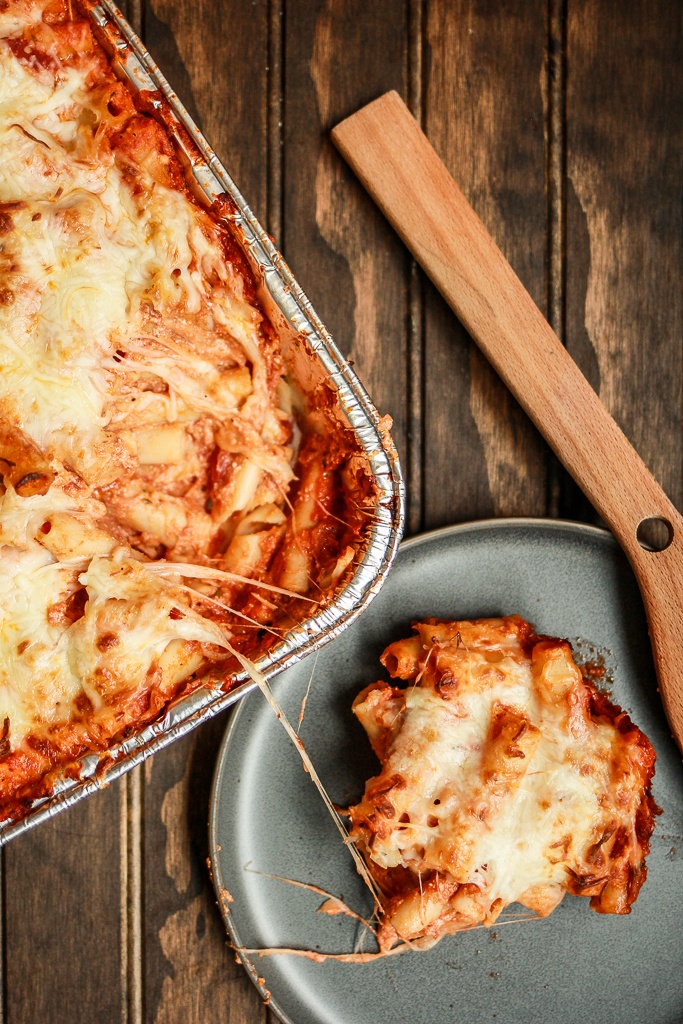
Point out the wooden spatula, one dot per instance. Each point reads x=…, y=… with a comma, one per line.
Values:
x=397, y=165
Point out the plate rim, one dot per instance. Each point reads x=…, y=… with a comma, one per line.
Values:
x=598, y=533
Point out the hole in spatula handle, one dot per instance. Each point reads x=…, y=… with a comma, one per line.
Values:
x=654, y=533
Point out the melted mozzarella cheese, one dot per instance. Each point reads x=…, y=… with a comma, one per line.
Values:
x=82, y=257
x=37, y=684
x=441, y=749
x=497, y=784
x=47, y=663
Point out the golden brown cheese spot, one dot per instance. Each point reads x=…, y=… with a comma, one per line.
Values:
x=106, y=641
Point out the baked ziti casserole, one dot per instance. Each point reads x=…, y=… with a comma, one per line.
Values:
x=167, y=495
x=506, y=776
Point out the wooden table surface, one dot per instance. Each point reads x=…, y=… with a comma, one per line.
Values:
x=561, y=120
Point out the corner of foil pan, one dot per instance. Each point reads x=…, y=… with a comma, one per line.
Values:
x=215, y=181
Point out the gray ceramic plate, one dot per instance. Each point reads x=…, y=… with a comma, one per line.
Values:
x=267, y=817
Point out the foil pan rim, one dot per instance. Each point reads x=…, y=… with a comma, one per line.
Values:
x=99, y=769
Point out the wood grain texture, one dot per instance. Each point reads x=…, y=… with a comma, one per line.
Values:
x=63, y=890
x=483, y=112
x=624, y=227
x=132, y=10
x=190, y=973
x=339, y=55
x=216, y=55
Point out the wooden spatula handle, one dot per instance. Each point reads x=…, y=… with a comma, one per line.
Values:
x=396, y=163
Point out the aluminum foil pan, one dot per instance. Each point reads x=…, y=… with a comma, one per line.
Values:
x=312, y=358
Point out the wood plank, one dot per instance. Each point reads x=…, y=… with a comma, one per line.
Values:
x=63, y=920
x=414, y=449
x=483, y=111
x=190, y=973
x=624, y=230
x=132, y=10
x=215, y=55
x=340, y=55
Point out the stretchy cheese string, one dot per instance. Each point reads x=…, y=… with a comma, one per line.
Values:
x=302, y=712
x=226, y=607
x=309, y=954
x=265, y=689
x=332, y=905
x=206, y=572
x=416, y=945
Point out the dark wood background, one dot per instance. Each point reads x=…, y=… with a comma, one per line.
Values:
x=561, y=120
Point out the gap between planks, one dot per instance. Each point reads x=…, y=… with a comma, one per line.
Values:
x=275, y=122
x=556, y=167
x=132, y=954
x=415, y=397
x=132, y=916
